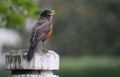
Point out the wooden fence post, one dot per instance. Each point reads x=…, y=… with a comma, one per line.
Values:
x=42, y=65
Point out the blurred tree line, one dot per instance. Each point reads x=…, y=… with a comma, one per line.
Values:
x=81, y=27
x=89, y=27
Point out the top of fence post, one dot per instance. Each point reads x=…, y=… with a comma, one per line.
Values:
x=16, y=60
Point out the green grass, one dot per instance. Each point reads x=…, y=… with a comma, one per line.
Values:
x=84, y=67
x=3, y=72
x=90, y=67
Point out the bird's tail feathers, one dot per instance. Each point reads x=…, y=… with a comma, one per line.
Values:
x=30, y=53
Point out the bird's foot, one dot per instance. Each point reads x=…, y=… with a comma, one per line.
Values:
x=45, y=50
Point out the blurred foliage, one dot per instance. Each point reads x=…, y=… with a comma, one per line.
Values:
x=83, y=27
x=13, y=13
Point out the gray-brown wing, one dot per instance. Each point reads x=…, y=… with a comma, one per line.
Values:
x=39, y=31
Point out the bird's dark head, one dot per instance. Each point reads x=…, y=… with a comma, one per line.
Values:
x=48, y=13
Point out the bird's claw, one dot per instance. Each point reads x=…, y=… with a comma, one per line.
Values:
x=45, y=50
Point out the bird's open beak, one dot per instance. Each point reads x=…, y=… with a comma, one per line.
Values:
x=52, y=12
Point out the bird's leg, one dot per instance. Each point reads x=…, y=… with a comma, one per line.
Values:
x=43, y=45
x=44, y=48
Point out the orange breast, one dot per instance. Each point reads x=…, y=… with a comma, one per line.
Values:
x=47, y=35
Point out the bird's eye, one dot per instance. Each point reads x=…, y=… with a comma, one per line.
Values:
x=48, y=12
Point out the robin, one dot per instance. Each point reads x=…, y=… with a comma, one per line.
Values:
x=41, y=32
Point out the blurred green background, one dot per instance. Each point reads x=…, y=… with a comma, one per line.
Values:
x=86, y=34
